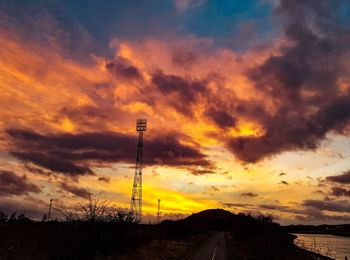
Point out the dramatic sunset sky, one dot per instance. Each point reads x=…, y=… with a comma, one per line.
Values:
x=247, y=101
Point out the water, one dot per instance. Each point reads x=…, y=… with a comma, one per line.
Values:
x=333, y=246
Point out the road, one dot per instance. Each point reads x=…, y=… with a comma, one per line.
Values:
x=215, y=248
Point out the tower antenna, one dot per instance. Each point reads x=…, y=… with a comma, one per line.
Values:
x=158, y=213
x=49, y=213
x=136, y=196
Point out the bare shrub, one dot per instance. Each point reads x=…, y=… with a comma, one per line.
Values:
x=97, y=209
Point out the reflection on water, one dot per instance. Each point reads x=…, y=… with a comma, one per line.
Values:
x=332, y=246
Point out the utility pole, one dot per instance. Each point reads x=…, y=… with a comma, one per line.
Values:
x=158, y=213
x=136, y=196
x=49, y=213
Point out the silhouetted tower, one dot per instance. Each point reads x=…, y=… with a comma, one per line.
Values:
x=158, y=213
x=49, y=213
x=136, y=196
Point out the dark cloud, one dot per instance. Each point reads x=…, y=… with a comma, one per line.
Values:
x=196, y=171
x=184, y=58
x=282, y=174
x=80, y=192
x=234, y=205
x=338, y=191
x=315, y=216
x=185, y=90
x=104, y=179
x=31, y=207
x=75, y=154
x=37, y=170
x=274, y=207
x=167, y=150
x=11, y=184
x=86, y=111
x=214, y=188
x=320, y=192
x=49, y=24
x=90, y=116
x=264, y=207
x=286, y=132
x=221, y=118
x=302, y=120
x=168, y=84
x=284, y=183
x=336, y=206
x=53, y=162
x=327, y=198
x=316, y=37
x=249, y=194
x=313, y=211
x=211, y=190
x=343, y=178
x=122, y=67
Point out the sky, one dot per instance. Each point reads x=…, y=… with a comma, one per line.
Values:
x=247, y=102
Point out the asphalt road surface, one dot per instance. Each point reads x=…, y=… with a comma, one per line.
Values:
x=215, y=248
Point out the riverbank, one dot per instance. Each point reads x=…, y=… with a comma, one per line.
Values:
x=339, y=234
x=336, y=247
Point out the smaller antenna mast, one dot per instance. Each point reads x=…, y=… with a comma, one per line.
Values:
x=158, y=213
x=49, y=213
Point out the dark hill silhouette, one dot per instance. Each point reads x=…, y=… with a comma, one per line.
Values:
x=210, y=219
x=211, y=216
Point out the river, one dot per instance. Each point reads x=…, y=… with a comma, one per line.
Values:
x=333, y=246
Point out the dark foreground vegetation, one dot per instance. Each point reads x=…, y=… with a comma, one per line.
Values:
x=122, y=238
